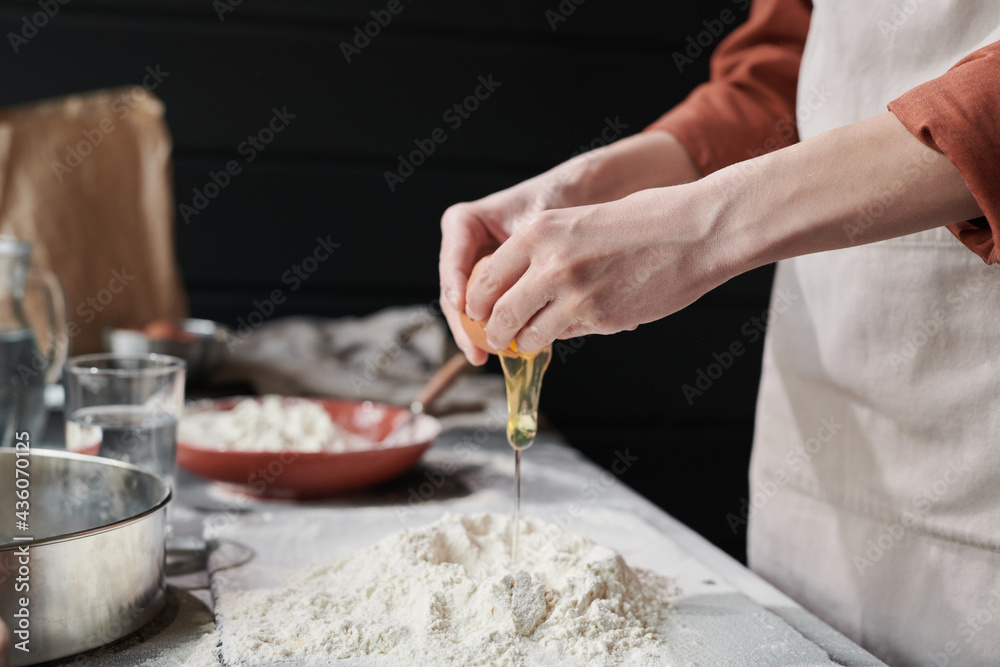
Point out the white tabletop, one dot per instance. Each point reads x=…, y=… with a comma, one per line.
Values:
x=736, y=617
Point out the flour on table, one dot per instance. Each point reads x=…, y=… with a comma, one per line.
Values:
x=445, y=594
x=205, y=653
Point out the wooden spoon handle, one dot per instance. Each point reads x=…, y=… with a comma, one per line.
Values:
x=440, y=381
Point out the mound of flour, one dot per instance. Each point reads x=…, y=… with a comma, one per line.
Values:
x=445, y=594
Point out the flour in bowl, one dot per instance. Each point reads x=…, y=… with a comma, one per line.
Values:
x=445, y=594
x=270, y=424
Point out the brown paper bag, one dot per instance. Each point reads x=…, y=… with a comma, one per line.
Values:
x=87, y=179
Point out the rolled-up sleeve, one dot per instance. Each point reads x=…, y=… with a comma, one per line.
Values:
x=747, y=108
x=956, y=114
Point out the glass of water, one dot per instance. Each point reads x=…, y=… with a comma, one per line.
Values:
x=125, y=407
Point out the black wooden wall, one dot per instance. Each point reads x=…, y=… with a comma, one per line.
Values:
x=561, y=72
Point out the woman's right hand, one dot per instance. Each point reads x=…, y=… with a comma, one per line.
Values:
x=470, y=230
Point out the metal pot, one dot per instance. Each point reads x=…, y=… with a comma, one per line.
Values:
x=94, y=568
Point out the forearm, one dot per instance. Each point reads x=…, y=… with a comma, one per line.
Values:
x=639, y=162
x=862, y=183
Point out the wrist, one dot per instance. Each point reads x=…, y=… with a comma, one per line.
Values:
x=722, y=202
x=764, y=210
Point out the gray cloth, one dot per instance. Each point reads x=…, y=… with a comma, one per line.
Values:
x=387, y=357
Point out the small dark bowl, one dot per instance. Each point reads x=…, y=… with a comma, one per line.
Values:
x=203, y=354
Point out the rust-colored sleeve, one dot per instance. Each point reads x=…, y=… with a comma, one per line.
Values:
x=956, y=114
x=747, y=108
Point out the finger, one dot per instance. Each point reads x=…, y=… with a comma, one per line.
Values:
x=455, y=261
x=462, y=242
x=452, y=293
x=475, y=356
x=546, y=326
x=514, y=309
x=496, y=275
x=574, y=330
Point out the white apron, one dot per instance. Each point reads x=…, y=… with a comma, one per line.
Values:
x=875, y=475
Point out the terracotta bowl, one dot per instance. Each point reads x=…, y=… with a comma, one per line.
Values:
x=310, y=475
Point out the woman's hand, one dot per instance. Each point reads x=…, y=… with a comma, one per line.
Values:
x=471, y=230
x=599, y=269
